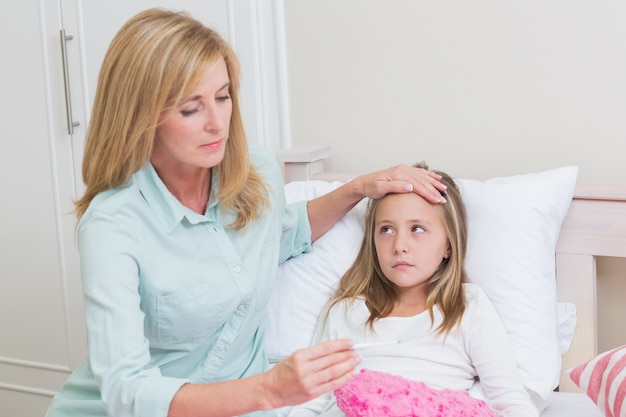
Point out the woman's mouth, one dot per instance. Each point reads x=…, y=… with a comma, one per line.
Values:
x=213, y=145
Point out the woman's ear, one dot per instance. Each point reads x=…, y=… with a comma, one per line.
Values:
x=446, y=255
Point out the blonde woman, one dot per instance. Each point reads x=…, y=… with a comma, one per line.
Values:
x=181, y=230
x=408, y=286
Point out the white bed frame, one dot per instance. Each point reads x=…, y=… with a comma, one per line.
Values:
x=595, y=225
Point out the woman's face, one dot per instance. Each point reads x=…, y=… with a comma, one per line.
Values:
x=194, y=133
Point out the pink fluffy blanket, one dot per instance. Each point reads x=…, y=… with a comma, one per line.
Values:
x=379, y=394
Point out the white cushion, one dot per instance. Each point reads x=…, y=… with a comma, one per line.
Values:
x=513, y=225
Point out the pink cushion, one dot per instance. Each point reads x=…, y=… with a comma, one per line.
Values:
x=603, y=379
x=376, y=394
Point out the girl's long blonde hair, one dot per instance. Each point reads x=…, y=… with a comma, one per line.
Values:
x=365, y=279
x=156, y=59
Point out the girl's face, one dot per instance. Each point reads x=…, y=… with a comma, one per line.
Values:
x=194, y=133
x=410, y=241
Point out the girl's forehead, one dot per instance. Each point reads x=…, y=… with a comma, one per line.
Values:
x=406, y=205
x=404, y=200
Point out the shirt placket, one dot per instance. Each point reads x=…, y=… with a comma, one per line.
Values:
x=244, y=282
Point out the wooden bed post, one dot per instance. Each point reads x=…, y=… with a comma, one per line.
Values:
x=576, y=283
x=303, y=162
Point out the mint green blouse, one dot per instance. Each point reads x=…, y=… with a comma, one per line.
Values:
x=172, y=296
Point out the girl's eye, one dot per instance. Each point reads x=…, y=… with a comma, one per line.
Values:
x=418, y=229
x=223, y=98
x=385, y=230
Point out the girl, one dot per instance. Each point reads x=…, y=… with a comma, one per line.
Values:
x=408, y=285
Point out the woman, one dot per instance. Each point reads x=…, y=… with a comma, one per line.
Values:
x=181, y=229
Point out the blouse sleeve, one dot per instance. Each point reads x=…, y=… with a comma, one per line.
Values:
x=296, y=231
x=118, y=351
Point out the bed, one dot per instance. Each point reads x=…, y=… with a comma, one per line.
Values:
x=566, y=225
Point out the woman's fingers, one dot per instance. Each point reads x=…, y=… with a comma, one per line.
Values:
x=325, y=362
x=311, y=372
x=404, y=178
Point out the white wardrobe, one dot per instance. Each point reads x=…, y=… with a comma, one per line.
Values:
x=51, y=54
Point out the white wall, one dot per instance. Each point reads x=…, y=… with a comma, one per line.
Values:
x=477, y=88
x=480, y=88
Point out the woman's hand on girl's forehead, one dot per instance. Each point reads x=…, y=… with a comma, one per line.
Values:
x=402, y=179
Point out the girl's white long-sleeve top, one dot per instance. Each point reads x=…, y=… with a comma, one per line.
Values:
x=477, y=350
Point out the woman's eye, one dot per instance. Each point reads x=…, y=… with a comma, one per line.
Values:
x=225, y=97
x=189, y=112
x=417, y=229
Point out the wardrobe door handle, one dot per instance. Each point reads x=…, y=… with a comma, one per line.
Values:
x=71, y=124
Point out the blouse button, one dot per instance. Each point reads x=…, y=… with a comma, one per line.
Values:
x=237, y=269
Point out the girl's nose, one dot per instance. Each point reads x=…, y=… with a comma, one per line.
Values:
x=400, y=246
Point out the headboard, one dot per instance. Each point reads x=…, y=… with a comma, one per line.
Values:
x=595, y=225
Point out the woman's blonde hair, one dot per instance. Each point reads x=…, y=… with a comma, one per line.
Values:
x=365, y=278
x=155, y=60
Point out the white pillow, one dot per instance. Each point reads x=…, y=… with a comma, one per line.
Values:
x=513, y=225
x=566, y=324
x=305, y=282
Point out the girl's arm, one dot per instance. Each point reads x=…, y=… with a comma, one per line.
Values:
x=492, y=356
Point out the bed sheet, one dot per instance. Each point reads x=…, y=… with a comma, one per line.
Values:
x=568, y=404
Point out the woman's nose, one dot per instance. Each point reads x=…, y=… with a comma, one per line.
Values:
x=213, y=120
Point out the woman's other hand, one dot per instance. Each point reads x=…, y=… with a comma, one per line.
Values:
x=311, y=372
